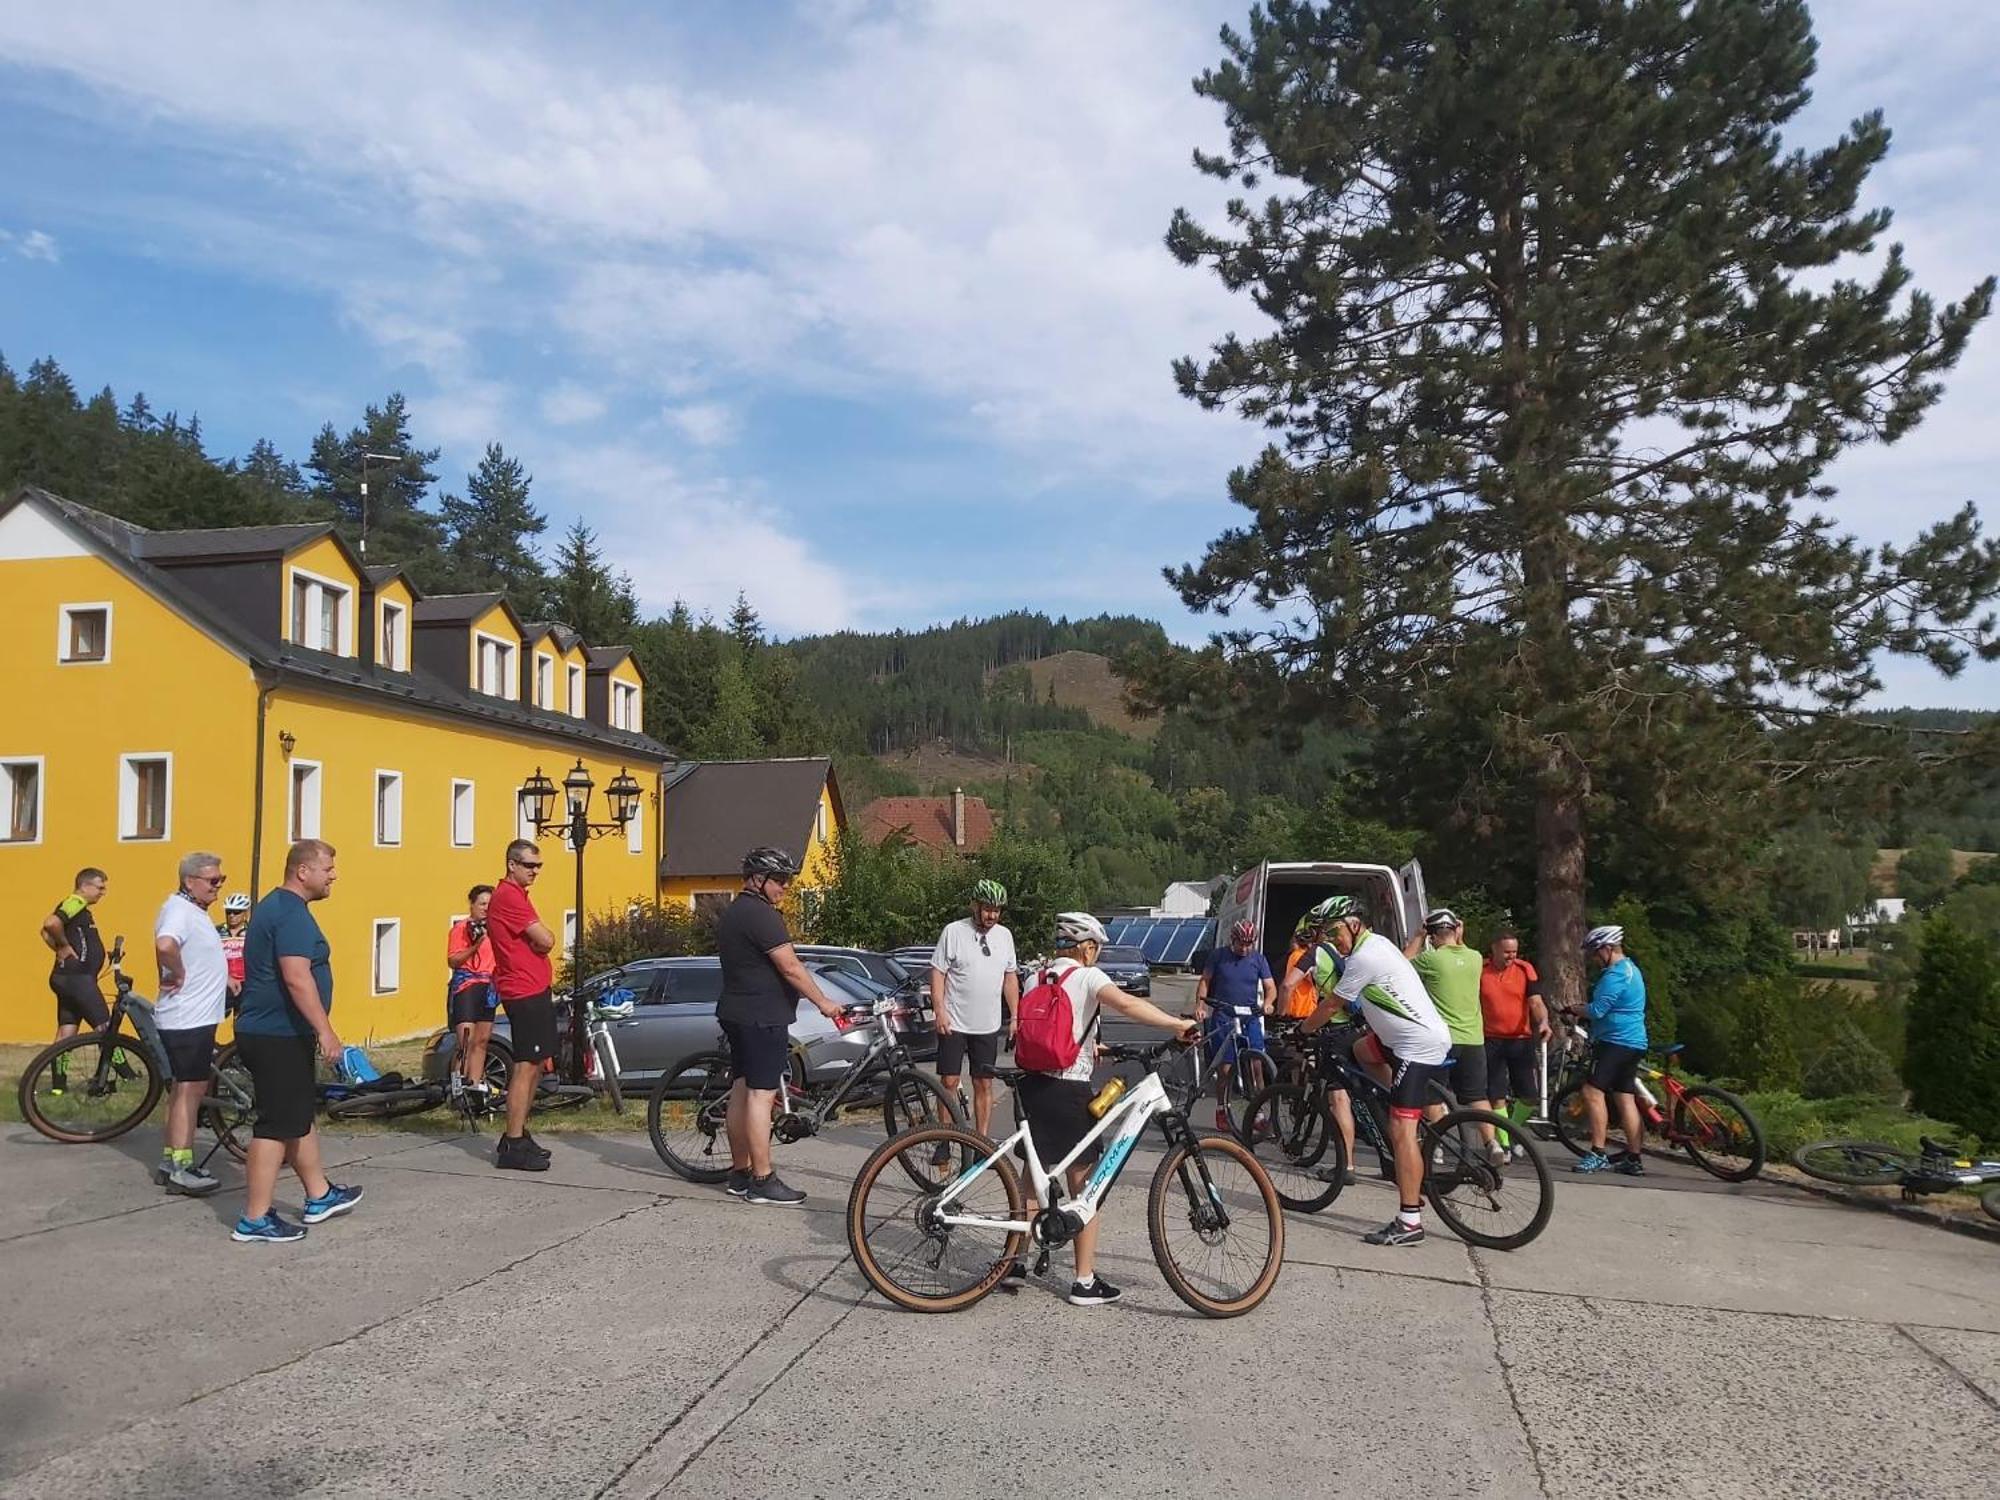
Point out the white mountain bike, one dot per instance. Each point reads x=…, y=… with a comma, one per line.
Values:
x=1217, y=1228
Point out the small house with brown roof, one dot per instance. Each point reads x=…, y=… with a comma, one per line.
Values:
x=719, y=810
x=957, y=824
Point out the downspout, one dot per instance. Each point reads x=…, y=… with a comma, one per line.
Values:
x=265, y=687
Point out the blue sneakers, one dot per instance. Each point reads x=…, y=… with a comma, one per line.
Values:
x=269, y=1230
x=336, y=1201
x=1593, y=1161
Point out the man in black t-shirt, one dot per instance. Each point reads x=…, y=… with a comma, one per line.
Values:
x=761, y=975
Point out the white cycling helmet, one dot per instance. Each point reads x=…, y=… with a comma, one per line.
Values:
x=237, y=901
x=1608, y=936
x=1073, y=927
x=1441, y=919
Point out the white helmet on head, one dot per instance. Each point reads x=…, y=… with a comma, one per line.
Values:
x=237, y=901
x=1608, y=936
x=1073, y=927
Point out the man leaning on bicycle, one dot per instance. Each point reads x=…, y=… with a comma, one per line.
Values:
x=1232, y=997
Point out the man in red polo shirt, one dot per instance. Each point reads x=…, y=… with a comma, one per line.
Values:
x=1516, y=1019
x=521, y=982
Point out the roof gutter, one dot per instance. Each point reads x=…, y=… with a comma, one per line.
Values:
x=266, y=685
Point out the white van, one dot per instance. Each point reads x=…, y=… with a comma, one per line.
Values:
x=1275, y=894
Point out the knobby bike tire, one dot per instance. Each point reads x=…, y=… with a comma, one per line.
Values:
x=1734, y=1166
x=1508, y=1180
x=701, y=1086
x=389, y=1104
x=609, y=1074
x=1253, y=1073
x=229, y=1108
x=1292, y=1133
x=1174, y=1187
x=1572, y=1125
x=1989, y=1201
x=907, y=1093
x=1852, y=1163
x=144, y=1091
x=880, y=1270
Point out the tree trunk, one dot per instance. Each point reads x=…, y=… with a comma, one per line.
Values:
x=1559, y=888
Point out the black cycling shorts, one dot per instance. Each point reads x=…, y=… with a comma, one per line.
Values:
x=472, y=1004
x=531, y=1028
x=284, y=1078
x=1058, y=1111
x=1467, y=1072
x=79, y=1002
x=1410, y=1087
x=1512, y=1064
x=758, y=1054
x=190, y=1053
x=1615, y=1069
x=981, y=1048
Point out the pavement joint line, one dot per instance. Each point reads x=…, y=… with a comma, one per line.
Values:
x=528, y=1180
x=1948, y=1367
x=1507, y=1370
x=646, y=1463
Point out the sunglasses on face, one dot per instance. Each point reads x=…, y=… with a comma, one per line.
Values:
x=212, y=879
x=529, y=864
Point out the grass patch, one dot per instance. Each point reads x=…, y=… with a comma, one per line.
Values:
x=1791, y=1121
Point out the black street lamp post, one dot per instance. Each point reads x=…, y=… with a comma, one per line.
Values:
x=538, y=797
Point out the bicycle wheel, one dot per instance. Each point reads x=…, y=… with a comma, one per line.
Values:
x=388, y=1104
x=93, y=1086
x=897, y=1236
x=1498, y=1207
x=1293, y=1137
x=1718, y=1131
x=1990, y=1201
x=230, y=1105
x=607, y=1073
x=685, y=1118
x=1571, y=1120
x=1217, y=1227
x=1254, y=1072
x=1854, y=1163
x=915, y=1099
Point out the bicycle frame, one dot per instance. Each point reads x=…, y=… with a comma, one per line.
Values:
x=822, y=1101
x=1124, y=1122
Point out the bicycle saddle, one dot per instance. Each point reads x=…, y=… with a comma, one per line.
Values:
x=1933, y=1147
x=1670, y=1051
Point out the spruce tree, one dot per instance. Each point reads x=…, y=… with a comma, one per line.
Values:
x=583, y=593
x=1951, y=1051
x=1561, y=341
x=490, y=531
x=398, y=528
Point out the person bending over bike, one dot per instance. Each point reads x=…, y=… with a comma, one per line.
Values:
x=1233, y=996
x=1058, y=1104
x=1617, y=1013
x=1406, y=1049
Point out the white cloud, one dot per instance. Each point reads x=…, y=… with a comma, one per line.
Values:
x=706, y=424
x=568, y=404
x=32, y=244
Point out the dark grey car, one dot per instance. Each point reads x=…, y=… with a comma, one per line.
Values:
x=1127, y=968
x=673, y=1017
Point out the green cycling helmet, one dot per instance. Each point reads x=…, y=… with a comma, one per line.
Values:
x=1336, y=909
x=990, y=893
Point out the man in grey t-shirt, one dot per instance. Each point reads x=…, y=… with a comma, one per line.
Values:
x=973, y=981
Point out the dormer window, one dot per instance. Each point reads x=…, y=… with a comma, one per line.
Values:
x=321, y=614
x=545, y=682
x=624, y=706
x=392, y=641
x=576, y=692
x=496, y=667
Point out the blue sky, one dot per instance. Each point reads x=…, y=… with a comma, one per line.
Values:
x=858, y=307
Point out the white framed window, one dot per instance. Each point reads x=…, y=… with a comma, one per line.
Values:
x=302, y=815
x=83, y=634
x=389, y=808
x=624, y=706
x=569, y=933
x=495, y=676
x=461, y=814
x=145, y=796
x=21, y=810
x=635, y=831
x=576, y=692
x=392, y=638
x=545, y=680
x=322, y=614
x=386, y=972
x=819, y=820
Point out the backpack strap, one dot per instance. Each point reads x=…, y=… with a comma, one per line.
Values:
x=1090, y=1025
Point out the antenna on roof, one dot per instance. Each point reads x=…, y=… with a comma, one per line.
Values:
x=387, y=458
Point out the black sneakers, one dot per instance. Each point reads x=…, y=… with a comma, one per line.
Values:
x=773, y=1193
x=739, y=1183
x=1097, y=1292
x=1395, y=1232
x=519, y=1154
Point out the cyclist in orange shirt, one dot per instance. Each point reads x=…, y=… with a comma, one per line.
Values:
x=1516, y=1018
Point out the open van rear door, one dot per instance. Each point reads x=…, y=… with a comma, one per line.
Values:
x=1416, y=901
x=1243, y=898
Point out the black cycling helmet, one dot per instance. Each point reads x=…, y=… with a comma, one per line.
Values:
x=771, y=863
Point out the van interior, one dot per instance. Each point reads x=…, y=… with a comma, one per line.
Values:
x=1289, y=894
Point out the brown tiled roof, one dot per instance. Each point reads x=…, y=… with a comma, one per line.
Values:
x=927, y=821
x=718, y=811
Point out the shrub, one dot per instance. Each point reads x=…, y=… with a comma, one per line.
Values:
x=1765, y=1056
x=1850, y=1064
x=659, y=929
x=1951, y=1057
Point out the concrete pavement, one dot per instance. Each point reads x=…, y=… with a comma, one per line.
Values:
x=605, y=1329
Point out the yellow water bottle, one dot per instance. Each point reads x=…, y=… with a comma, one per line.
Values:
x=1110, y=1094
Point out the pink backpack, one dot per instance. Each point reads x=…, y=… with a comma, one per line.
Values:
x=1045, y=1039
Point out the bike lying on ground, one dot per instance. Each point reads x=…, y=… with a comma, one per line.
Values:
x=96, y=1085
x=1215, y=1222
x=1712, y=1125
x=686, y=1111
x=1485, y=1196
x=1938, y=1167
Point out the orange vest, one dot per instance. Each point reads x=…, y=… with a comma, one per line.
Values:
x=1302, y=999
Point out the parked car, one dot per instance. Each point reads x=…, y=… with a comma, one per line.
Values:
x=1127, y=968
x=673, y=1017
x=884, y=968
x=916, y=958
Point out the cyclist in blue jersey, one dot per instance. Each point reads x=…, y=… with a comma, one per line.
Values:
x=1617, y=1013
x=1234, y=995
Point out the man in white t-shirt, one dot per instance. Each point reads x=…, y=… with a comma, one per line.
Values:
x=194, y=988
x=974, y=989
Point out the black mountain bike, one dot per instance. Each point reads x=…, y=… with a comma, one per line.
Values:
x=1938, y=1167
x=1498, y=1204
x=686, y=1111
x=96, y=1085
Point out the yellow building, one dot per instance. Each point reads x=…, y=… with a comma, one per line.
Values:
x=718, y=811
x=234, y=689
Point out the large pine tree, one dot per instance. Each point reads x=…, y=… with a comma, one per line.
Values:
x=490, y=531
x=583, y=593
x=397, y=527
x=1557, y=357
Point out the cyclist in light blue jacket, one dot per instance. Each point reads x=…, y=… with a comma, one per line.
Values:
x=1617, y=1012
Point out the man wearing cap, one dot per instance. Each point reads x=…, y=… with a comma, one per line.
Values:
x=974, y=989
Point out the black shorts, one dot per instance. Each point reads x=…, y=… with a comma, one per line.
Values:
x=1512, y=1064
x=1058, y=1111
x=472, y=1004
x=1410, y=1087
x=531, y=1028
x=190, y=1053
x=1615, y=1069
x=1466, y=1072
x=79, y=1001
x=285, y=1081
x=757, y=1053
x=981, y=1048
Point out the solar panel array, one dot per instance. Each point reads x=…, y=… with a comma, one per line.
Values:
x=1164, y=940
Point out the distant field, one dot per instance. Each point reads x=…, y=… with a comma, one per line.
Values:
x=1083, y=679
x=1882, y=874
